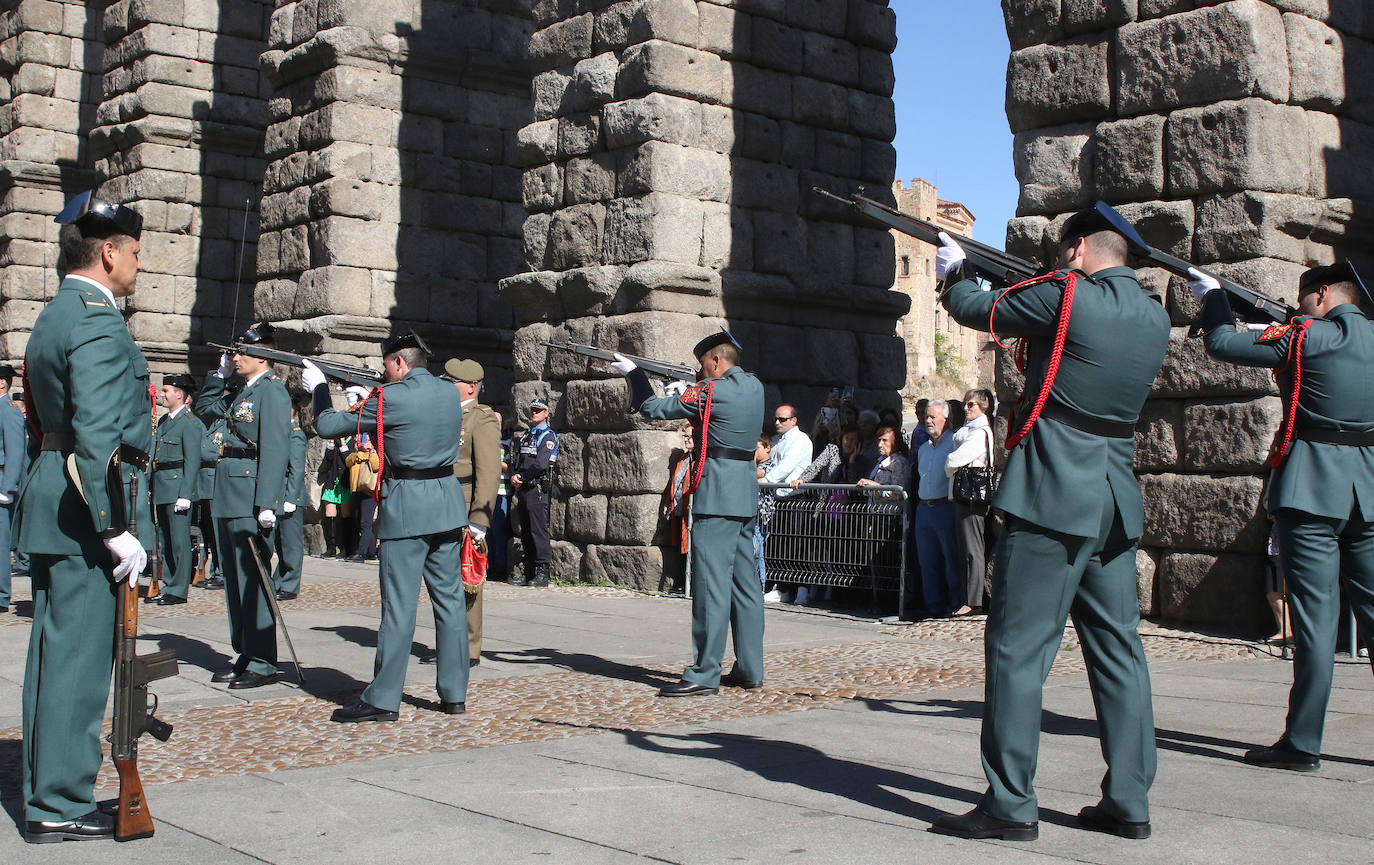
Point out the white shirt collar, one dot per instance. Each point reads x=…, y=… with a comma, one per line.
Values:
x=104, y=289
x=249, y=383
x=176, y=411
x=468, y=401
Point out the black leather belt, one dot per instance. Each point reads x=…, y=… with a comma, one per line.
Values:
x=934, y=502
x=237, y=453
x=1087, y=423
x=1350, y=438
x=65, y=442
x=721, y=452
x=168, y=466
x=402, y=473
x=465, y=479
x=134, y=457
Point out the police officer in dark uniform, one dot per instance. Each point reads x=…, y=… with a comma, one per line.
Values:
x=532, y=478
x=176, y=473
x=1321, y=492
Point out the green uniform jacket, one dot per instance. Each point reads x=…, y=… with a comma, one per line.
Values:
x=259, y=416
x=479, y=460
x=729, y=487
x=13, y=447
x=87, y=377
x=296, y=490
x=422, y=419
x=178, y=439
x=1324, y=480
x=209, y=459
x=1116, y=341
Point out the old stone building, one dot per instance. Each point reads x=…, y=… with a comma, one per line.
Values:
x=941, y=355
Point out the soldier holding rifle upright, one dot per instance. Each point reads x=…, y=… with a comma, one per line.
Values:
x=1094, y=341
x=87, y=389
x=1321, y=492
x=176, y=474
x=250, y=487
x=726, y=411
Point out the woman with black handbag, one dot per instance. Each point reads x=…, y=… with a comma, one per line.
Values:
x=973, y=478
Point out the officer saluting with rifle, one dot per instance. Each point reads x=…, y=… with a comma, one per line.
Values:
x=86, y=386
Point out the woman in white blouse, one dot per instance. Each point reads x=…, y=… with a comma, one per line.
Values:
x=973, y=446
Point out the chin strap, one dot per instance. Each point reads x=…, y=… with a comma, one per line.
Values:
x=1292, y=365
x=1069, y=280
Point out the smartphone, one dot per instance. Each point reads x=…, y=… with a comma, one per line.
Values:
x=848, y=393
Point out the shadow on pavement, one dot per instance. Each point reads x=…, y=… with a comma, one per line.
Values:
x=580, y=662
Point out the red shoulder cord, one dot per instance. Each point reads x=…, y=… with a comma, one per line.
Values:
x=1061, y=332
x=1290, y=405
x=699, y=469
x=29, y=413
x=381, y=442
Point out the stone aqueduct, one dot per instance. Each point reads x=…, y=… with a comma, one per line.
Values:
x=633, y=173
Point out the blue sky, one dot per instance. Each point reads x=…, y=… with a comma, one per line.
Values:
x=951, y=64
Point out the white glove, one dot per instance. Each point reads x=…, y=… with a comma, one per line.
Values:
x=675, y=388
x=476, y=532
x=181, y=506
x=1257, y=326
x=311, y=377
x=1201, y=283
x=224, y=366
x=288, y=507
x=266, y=518
x=623, y=364
x=4, y=499
x=949, y=256
x=130, y=554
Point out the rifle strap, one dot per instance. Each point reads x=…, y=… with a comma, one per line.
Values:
x=1069, y=280
x=1293, y=367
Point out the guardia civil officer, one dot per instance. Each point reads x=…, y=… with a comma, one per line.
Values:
x=290, y=533
x=1321, y=491
x=726, y=411
x=532, y=478
x=88, y=387
x=250, y=487
x=12, y=459
x=420, y=520
x=176, y=473
x=1074, y=518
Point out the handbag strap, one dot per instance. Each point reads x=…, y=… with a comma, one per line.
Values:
x=989, y=432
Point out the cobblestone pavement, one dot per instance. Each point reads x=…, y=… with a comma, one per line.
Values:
x=293, y=732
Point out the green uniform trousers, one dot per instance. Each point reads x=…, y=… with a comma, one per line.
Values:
x=252, y=630
x=1040, y=578
x=473, y=598
x=404, y=562
x=726, y=594
x=174, y=532
x=66, y=684
x=1316, y=552
x=290, y=536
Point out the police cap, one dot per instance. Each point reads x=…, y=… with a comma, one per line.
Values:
x=715, y=339
x=97, y=215
x=466, y=369
x=409, y=339
x=538, y=404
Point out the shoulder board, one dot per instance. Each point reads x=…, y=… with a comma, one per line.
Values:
x=1273, y=333
x=694, y=392
x=93, y=299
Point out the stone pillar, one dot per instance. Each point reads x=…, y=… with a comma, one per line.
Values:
x=670, y=165
x=49, y=86
x=391, y=200
x=180, y=136
x=1233, y=135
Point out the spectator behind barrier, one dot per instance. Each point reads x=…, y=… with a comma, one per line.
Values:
x=935, y=547
x=893, y=468
x=973, y=444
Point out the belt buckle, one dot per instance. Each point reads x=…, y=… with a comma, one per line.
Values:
x=221, y=450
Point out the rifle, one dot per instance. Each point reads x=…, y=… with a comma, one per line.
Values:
x=132, y=714
x=661, y=369
x=155, y=587
x=344, y=372
x=987, y=262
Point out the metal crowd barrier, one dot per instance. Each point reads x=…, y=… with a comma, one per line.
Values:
x=838, y=535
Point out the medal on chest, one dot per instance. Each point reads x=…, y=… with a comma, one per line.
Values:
x=244, y=412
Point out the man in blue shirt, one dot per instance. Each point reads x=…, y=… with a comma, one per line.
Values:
x=935, y=547
x=11, y=467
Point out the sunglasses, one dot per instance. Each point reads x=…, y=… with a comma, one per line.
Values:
x=781, y=419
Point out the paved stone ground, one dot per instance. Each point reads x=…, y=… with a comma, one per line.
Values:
x=862, y=733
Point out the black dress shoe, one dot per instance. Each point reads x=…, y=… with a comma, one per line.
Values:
x=472, y=662
x=356, y=557
x=212, y=583
x=685, y=689
x=976, y=824
x=734, y=680
x=166, y=600
x=96, y=824
x=250, y=679
x=228, y=675
x=1282, y=755
x=429, y=659
x=359, y=710
x=286, y=596
x=449, y=707
x=1096, y=818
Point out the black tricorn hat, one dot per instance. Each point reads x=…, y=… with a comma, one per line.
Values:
x=8, y=373
x=409, y=339
x=182, y=380
x=92, y=213
x=1332, y=274
x=715, y=339
x=262, y=332
x=1102, y=217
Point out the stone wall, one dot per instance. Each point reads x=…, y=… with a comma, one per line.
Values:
x=1235, y=135
x=670, y=166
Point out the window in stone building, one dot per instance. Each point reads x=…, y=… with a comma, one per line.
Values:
x=906, y=265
